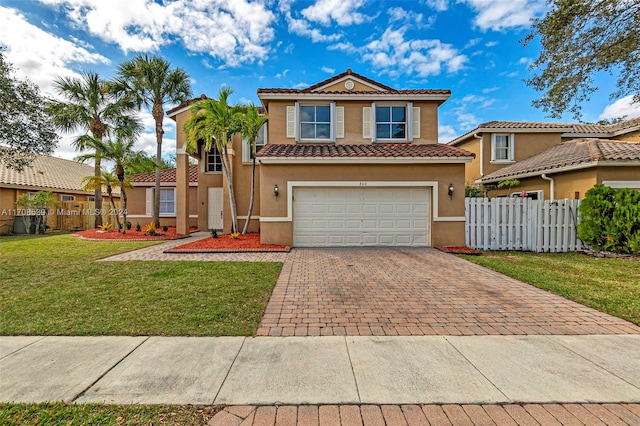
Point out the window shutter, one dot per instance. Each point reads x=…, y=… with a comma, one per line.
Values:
x=340, y=122
x=291, y=121
x=149, y=202
x=512, y=143
x=332, y=121
x=416, y=122
x=366, y=122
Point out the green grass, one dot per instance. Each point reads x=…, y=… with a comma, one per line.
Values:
x=608, y=285
x=50, y=285
x=59, y=413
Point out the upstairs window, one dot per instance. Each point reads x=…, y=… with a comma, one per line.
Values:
x=391, y=122
x=502, y=147
x=261, y=141
x=315, y=122
x=213, y=160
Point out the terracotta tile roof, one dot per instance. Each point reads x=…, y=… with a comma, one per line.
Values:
x=570, y=153
x=376, y=150
x=166, y=175
x=387, y=89
x=48, y=172
x=523, y=125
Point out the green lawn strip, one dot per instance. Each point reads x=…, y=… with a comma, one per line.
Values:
x=51, y=286
x=60, y=413
x=607, y=284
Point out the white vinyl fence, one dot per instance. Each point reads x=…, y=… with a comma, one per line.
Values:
x=522, y=224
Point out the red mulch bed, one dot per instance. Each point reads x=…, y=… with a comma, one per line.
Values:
x=459, y=250
x=225, y=244
x=131, y=235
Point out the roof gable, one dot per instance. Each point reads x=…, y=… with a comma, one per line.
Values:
x=339, y=83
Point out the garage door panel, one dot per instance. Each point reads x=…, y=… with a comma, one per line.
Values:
x=361, y=217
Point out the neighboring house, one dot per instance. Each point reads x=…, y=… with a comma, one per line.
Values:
x=500, y=147
x=348, y=161
x=62, y=177
x=140, y=198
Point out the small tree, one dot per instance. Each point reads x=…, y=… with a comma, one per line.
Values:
x=108, y=181
x=624, y=227
x=508, y=183
x=36, y=209
x=474, y=191
x=251, y=123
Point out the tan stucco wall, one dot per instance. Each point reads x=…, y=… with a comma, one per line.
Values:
x=277, y=111
x=472, y=169
x=137, y=206
x=622, y=173
x=631, y=136
x=443, y=233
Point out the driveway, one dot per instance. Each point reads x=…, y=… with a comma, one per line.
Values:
x=380, y=291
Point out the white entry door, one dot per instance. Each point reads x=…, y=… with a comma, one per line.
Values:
x=390, y=216
x=214, y=200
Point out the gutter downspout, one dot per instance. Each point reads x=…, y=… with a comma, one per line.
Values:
x=475, y=135
x=552, y=186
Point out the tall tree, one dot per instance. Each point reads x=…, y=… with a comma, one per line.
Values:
x=580, y=38
x=215, y=121
x=25, y=125
x=91, y=107
x=151, y=82
x=126, y=161
x=251, y=123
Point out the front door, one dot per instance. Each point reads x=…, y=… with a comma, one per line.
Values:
x=214, y=216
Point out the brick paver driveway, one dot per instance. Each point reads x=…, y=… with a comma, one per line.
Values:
x=381, y=291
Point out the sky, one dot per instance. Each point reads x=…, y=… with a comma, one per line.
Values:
x=471, y=47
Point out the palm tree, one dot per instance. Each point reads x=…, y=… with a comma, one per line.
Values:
x=127, y=161
x=90, y=106
x=151, y=82
x=108, y=181
x=214, y=120
x=251, y=123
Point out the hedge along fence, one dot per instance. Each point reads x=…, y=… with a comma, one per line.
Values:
x=610, y=219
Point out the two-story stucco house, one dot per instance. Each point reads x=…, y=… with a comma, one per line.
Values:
x=551, y=160
x=348, y=161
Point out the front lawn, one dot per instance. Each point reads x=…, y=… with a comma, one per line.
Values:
x=50, y=285
x=609, y=285
x=59, y=413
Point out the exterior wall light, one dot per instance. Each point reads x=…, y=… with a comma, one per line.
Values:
x=450, y=191
x=275, y=190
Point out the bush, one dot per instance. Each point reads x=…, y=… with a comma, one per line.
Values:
x=214, y=233
x=610, y=219
x=128, y=225
x=474, y=191
x=138, y=227
x=165, y=228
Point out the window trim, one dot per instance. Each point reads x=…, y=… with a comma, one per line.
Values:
x=205, y=159
x=510, y=148
x=60, y=197
x=407, y=120
x=168, y=214
x=299, y=122
x=246, y=153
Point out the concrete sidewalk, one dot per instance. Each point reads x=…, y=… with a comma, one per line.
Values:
x=321, y=370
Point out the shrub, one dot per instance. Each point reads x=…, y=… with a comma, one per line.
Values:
x=610, y=219
x=214, y=233
x=165, y=228
x=128, y=225
x=150, y=229
x=138, y=227
x=106, y=227
x=235, y=235
x=474, y=191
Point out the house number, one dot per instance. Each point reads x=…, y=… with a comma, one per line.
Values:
x=363, y=183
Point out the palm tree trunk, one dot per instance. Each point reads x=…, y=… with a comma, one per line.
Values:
x=226, y=165
x=158, y=114
x=253, y=185
x=115, y=209
x=98, y=192
x=123, y=193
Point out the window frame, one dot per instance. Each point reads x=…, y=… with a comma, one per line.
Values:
x=329, y=123
x=246, y=152
x=213, y=152
x=509, y=149
x=391, y=122
x=539, y=194
x=173, y=202
x=62, y=197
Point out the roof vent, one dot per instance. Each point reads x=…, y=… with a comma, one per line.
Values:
x=349, y=71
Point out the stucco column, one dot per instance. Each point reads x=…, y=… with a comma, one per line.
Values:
x=182, y=192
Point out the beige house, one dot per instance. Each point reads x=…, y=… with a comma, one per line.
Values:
x=348, y=161
x=551, y=160
x=63, y=178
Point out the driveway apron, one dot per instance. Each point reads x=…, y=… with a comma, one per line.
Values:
x=416, y=291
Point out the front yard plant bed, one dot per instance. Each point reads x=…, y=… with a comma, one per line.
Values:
x=60, y=413
x=131, y=235
x=458, y=250
x=52, y=285
x=224, y=243
x=610, y=285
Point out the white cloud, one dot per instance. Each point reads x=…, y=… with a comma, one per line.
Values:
x=39, y=55
x=393, y=54
x=302, y=27
x=490, y=89
x=620, y=108
x=525, y=61
x=438, y=5
x=502, y=14
x=282, y=74
x=446, y=133
x=232, y=32
x=328, y=70
x=342, y=12
x=472, y=42
x=467, y=120
x=409, y=17
x=491, y=43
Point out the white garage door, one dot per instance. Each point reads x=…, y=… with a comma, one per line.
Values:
x=330, y=217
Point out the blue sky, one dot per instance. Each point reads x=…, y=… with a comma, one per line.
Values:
x=468, y=46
